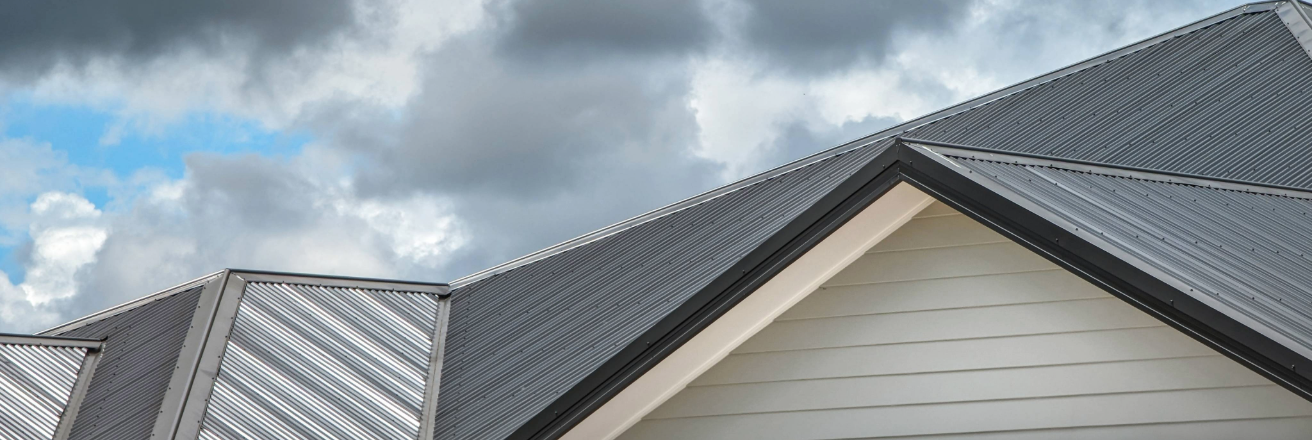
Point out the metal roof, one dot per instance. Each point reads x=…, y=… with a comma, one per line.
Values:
x=1190, y=101
x=324, y=362
x=1245, y=251
x=141, y=348
x=39, y=378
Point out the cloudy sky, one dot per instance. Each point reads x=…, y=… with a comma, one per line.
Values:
x=147, y=142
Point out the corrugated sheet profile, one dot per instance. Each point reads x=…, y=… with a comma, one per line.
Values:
x=1248, y=253
x=35, y=385
x=142, y=345
x=314, y=362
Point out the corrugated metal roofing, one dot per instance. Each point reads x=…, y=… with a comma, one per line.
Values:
x=518, y=340
x=1249, y=253
x=1229, y=101
x=141, y=349
x=316, y=362
x=35, y=384
x=1192, y=102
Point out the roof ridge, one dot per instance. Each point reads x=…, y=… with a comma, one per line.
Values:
x=866, y=141
x=1106, y=169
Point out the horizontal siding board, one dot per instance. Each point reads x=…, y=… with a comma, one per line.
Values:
x=1059, y=412
x=1283, y=428
x=940, y=263
x=949, y=230
x=1053, y=349
x=937, y=325
x=943, y=293
x=961, y=386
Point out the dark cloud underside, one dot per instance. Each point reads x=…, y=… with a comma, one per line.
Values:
x=820, y=36
x=37, y=34
x=587, y=29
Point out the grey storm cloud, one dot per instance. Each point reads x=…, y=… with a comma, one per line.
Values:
x=820, y=36
x=37, y=35
x=572, y=30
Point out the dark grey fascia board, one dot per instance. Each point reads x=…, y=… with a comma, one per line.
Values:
x=1295, y=17
x=861, y=142
x=1041, y=232
x=51, y=341
x=98, y=316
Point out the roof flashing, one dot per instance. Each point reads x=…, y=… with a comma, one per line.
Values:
x=1295, y=17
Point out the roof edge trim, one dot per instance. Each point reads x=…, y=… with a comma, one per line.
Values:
x=51, y=341
x=129, y=305
x=860, y=142
x=972, y=152
x=1295, y=17
x=942, y=179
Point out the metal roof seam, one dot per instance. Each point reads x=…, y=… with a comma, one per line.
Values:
x=865, y=141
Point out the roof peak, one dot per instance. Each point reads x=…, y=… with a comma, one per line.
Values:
x=869, y=140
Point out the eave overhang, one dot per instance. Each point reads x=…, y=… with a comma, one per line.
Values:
x=923, y=166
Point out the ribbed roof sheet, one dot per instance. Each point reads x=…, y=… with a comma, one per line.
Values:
x=1227, y=100
x=35, y=384
x=142, y=345
x=1246, y=253
x=1231, y=101
x=321, y=362
x=1191, y=103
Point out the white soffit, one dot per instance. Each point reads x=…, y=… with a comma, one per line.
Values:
x=794, y=283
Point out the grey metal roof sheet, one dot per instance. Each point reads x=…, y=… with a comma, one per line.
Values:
x=523, y=333
x=1187, y=105
x=36, y=382
x=1245, y=252
x=322, y=362
x=142, y=345
x=519, y=339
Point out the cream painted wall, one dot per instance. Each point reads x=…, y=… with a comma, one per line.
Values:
x=946, y=328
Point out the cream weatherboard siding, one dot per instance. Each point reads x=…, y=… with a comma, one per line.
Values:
x=947, y=329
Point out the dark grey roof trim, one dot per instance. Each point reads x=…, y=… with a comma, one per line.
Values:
x=1119, y=274
x=175, y=398
x=1109, y=169
x=1295, y=17
x=862, y=142
x=84, y=376
x=98, y=316
x=428, y=416
x=978, y=198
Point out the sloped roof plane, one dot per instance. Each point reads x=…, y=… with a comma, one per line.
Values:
x=1182, y=102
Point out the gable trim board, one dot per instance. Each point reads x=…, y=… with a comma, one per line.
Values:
x=869, y=140
x=925, y=168
x=772, y=299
